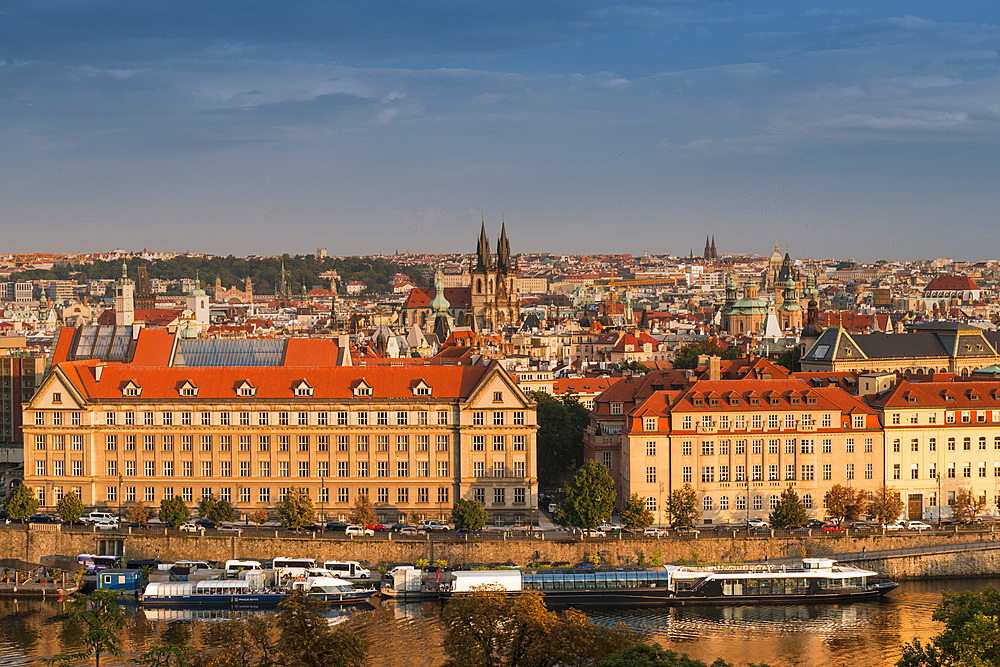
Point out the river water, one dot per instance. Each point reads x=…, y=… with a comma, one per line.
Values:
x=859, y=634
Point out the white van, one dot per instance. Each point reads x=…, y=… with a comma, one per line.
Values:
x=351, y=569
x=95, y=516
x=234, y=567
x=295, y=567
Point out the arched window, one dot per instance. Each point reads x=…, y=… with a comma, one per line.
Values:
x=479, y=285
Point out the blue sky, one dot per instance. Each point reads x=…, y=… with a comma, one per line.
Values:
x=863, y=129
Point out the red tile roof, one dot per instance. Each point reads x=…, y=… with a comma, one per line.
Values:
x=933, y=394
x=154, y=317
x=951, y=283
x=420, y=297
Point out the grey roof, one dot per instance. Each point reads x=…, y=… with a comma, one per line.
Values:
x=917, y=344
x=230, y=352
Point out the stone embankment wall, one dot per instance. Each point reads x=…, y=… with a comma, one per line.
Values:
x=32, y=545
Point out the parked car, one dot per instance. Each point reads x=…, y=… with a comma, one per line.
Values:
x=336, y=526
x=754, y=523
x=230, y=528
x=409, y=530
x=98, y=516
x=359, y=531
x=41, y=518
x=654, y=532
x=863, y=525
x=433, y=526
x=918, y=525
x=105, y=525
x=377, y=527
x=205, y=523
x=815, y=523
x=799, y=529
x=463, y=532
x=728, y=527
x=759, y=530
x=893, y=526
x=189, y=527
x=831, y=528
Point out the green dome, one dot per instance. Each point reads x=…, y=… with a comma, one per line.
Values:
x=439, y=304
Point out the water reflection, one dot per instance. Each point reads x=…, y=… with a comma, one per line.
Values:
x=860, y=634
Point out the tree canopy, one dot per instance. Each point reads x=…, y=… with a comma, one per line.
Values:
x=173, y=511
x=886, y=506
x=102, y=618
x=363, y=512
x=489, y=629
x=687, y=355
x=559, y=443
x=966, y=506
x=216, y=510
x=683, y=507
x=634, y=514
x=844, y=503
x=21, y=502
x=789, y=511
x=588, y=499
x=295, y=510
x=645, y=655
x=70, y=507
x=971, y=634
x=468, y=514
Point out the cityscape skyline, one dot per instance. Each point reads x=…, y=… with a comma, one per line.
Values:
x=598, y=127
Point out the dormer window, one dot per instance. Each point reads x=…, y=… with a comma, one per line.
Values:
x=131, y=390
x=714, y=402
x=698, y=401
x=810, y=399
x=755, y=401
x=795, y=400
x=775, y=401
x=949, y=397
x=974, y=395
x=187, y=390
x=362, y=389
x=246, y=389
x=303, y=389
x=421, y=388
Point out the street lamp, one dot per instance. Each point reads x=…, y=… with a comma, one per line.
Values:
x=322, y=495
x=120, y=480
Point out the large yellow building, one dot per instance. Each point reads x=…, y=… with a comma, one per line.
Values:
x=145, y=415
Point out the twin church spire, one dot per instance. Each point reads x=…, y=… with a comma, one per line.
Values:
x=484, y=258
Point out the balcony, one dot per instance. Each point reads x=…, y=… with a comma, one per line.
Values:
x=807, y=428
x=706, y=428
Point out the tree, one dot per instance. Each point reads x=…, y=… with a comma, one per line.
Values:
x=21, y=502
x=844, y=504
x=243, y=642
x=791, y=359
x=559, y=443
x=687, y=355
x=468, y=514
x=306, y=639
x=258, y=516
x=102, y=618
x=789, y=511
x=216, y=510
x=363, y=513
x=491, y=629
x=971, y=634
x=70, y=507
x=683, y=507
x=173, y=511
x=295, y=510
x=634, y=513
x=588, y=499
x=644, y=655
x=137, y=513
x=886, y=506
x=966, y=506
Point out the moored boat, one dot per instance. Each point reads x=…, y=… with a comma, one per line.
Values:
x=812, y=580
x=249, y=593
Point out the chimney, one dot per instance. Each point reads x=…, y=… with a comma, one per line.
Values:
x=715, y=368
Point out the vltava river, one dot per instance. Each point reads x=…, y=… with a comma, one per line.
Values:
x=860, y=634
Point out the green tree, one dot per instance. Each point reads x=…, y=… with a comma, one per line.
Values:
x=687, y=355
x=971, y=635
x=295, y=510
x=789, y=511
x=791, y=359
x=21, y=502
x=217, y=511
x=644, y=655
x=306, y=639
x=468, y=514
x=490, y=629
x=70, y=507
x=966, y=506
x=886, y=506
x=634, y=513
x=258, y=516
x=683, y=507
x=173, y=511
x=588, y=499
x=363, y=513
x=102, y=618
x=844, y=504
x=246, y=642
x=136, y=513
x=559, y=442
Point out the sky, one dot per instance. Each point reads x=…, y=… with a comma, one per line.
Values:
x=838, y=129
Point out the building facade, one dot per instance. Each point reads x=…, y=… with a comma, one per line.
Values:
x=248, y=420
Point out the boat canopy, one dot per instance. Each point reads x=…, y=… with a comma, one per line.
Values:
x=465, y=581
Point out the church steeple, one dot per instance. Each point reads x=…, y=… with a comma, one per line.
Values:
x=483, y=258
x=715, y=253
x=503, y=247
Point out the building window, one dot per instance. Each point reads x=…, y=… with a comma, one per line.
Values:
x=827, y=471
x=707, y=448
x=895, y=471
x=850, y=471
x=808, y=472
x=499, y=496
x=382, y=469
x=402, y=495
x=707, y=474
x=650, y=474
x=423, y=469
x=686, y=448
x=686, y=474
x=382, y=443
x=284, y=469
x=442, y=469
x=362, y=468
x=443, y=494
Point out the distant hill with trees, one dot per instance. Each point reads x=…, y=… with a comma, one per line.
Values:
x=265, y=272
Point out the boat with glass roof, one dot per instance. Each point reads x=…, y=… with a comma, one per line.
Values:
x=812, y=580
x=249, y=592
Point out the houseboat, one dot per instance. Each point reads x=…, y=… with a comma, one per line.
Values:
x=812, y=580
x=250, y=592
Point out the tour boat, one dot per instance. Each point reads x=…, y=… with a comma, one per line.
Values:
x=248, y=593
x=812, y=580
